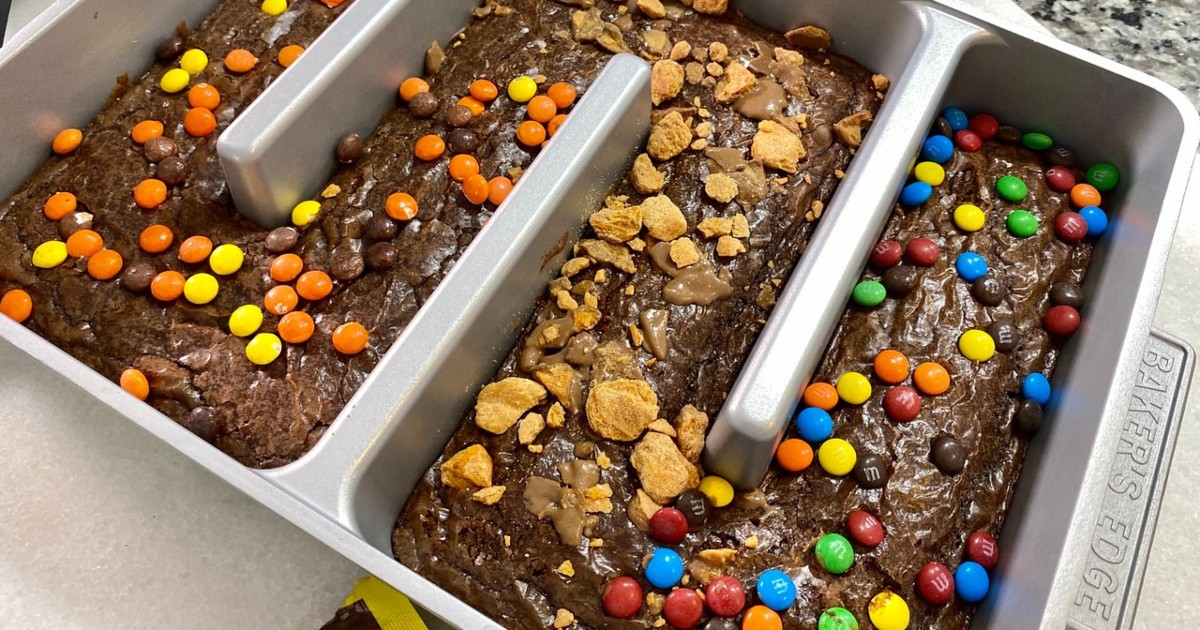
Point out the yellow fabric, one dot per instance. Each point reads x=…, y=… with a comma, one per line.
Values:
x=391, y=608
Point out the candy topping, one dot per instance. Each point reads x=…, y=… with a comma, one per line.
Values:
x=665, y=568
x=837, y=457
x=835, y=554
x=776, y=589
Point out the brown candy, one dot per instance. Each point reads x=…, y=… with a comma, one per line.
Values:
x=203, y=422
x=870, y=471
x=1059, y=155
x=1066, y=294
x=381, y=256
x=1005, y=335
x=159, y=149
x=349, y=149
x=462, y=141
x=948, y=455
x=458, y=116
x=74, y=222
x=282, y=239
x=137, y=277
x=173, y=170
x=424, y=105
x=1028, y=417
x=381, y=228
x=988, y=290
x=694, y=505
x=170, y=48
x=347, y=264
x=1008, y=134
x=900, y=280
x=942, y=126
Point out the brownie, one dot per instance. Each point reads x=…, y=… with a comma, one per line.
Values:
x=652, y=316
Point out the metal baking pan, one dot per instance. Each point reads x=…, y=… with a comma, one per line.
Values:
x=1077, y=534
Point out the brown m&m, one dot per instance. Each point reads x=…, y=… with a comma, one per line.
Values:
x=948, y=455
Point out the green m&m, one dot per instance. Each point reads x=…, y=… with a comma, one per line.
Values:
x=1037, y=141
x=869, y=293
x=837, y=619
x=1022, y=223
x=1103, y=176
x=834, y=553
x=1011, y=188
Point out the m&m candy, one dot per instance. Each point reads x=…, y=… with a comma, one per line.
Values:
x=956, y=117
x=683, y=608
x=969, y=217
x=1085, y=195
x=1070, y=227
x=891, y=366
x=888, y=611
x=834, y=553
x=622, y=598
x=822, y=395
x=935, y=583
x=1036, y=387
x=922, y=251
x=931, y=173
x=1097, y=220
x=938, y=149
x=869, y=293
x=886, y=254
x=665, y=568
x=1061, y=320
x=718, y=491
x=931, y=378
x=1037, y=141
x=837, y=457
x=1022, y=223
x=1103, y=176
x=761, y=618
x=1011, y=188
x=794, y=455
x=970, y=266
x=853, y=388
x=971, y=581
x=668, y=525
x=864, y=528
x=814, y=425
x=1060, y=179
x=902, y=403
x=725, y=596
x=985, y=125
x=776, y=589
x=982, y=548
x=915, y=194
x=837, y=619
x=976, y=345
x=968, y=141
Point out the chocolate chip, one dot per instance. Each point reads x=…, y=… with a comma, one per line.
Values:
x=349, y=149
x=74, y=222
x=1067, y=294
x=170, y=48
x=695, y=507
x=173, y=170
x=381, y=228
x=1028, y=417
x=941, y=126
x=988, y=290
x=424, y=105
x=1008, y=134
x=1059, y=155
x=585, y=449
x=458, y=116
x=282, y=239
x=381, y=256
x=871, y=472
x=900, y=280
x=721, y=623
x=203, y=422
x=462, y=141
x=160, y=148
x=1005, y=335
x=948, y=455
x=137, y=277
x=347, y=264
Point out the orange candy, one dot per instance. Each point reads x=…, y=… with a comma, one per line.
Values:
x=134, y=382
x=1085, y=195
x=67, y=141
x=475, y=105
x=84, y=244
x=240, y=60
x=105, y=264
x=531, y=133
x=156, y=239
x=296, y=327
x=430, y=148
x=289, y=54
x=931, y=378
x=563, y=94
x=17, y=305
x=281, y=300
x=314, y=285
x=149, y=194
x=483, y=90
x=59, y=205
x=195, y=249
x=286, y=267
x=891, y=366
x=476, y=189
x=555, y=123
x=204, y=95
x=821, y=395
x=167, y=286
x=498, y=189
x=401, y=206
x=350, y=338
x=794, y=455
x=412, y=87
x=199, y=122
x=463, y=166
x=541, y=108
x=146, y=131
x=761, y=618
x=332, y=4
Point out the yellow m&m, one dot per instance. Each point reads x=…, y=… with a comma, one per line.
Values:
x=174, y=80
x=522, y=89
x=853, y=388
x=245, y=320
x=931, y=173
x=969, y=217
x=226, y=259
x=263, y=348
x=49, y=254
x=837, y=457
x=274, y=7
x=976, y=345
x=718, y=491
x=193, y=61
x=200, y=288
x=305, y=212
x=888, y=611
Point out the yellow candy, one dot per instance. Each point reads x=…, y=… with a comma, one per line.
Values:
x=245, y=320
x=931, y=173
x=837, y=457
x=274, y=7
x=174, y=80
x=49, y=254
x=888, y=611
x=853, y=388
x=226, y=259
x=976, y=345
x=305, y=212
x=263, y=348
x=522, y=89
x=969, y=217
x=200, y=288
x=194, y=61
x=718, y=491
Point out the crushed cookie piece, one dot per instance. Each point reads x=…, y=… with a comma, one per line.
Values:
x=655, y=603
x=708, y=564
x=574, y=266
x=662, y=470
x=603, y=461
x=808, y=179
x=585, y=318
x=657, y=41
x=818, y=208
x=586, y=25
x=737, y=80
x=598, y=499
x=502, y=403
x=741, y=226
x=635, y=335
x=881, y=82
x=640, y=508
x=669, y=137
x=666, y=79
x=812, y=37
x=610, y=254
x=704, y=113
x=729, y=246
x=718, y=52
x=503, y=10
x=765, y=297
x=617, y=223
x=777, y=147
x=507, y=540
x=704, y=129
x=839, y=173
x=699, y=145
x=611, y=39
x=662, y=218
x=662, y=426
x=556, y=416
x=601, y=276
x=595, y=542
x=680, y=51
x=331, y=191
x=752, y=542
x=684, y=252
x=714, y=69
x=535, y=448
x=490, y=495
x=645, y=178
x=621, y=409
x=720, y=187
x=801, y=120
x=652, y=8
x=809, y=216
x=629, y=289
x=693, y=72
x=590, y=299
x=563, y=618
x=849, y=129
x=715, y=226
x=529, y=428
x=788, y=57
x=566, y=302
x=710, y=7
x=469, y=468
x=692, y=425
x=566, y=568
x=636, y=244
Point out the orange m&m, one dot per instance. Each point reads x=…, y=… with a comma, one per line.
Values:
x=821, y=395
x=350, y=338
x=931, y=378
x=794, y=455
x=891, y=366
x=134, y=382
x=761, y=618
x=1083, y=195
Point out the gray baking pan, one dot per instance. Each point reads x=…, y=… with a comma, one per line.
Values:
x=1079, y=529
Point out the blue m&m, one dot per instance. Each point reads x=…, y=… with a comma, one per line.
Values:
x=1037, y=388
x=814, y=424
x=915, y=194
x=938, y=149
x=776, y=589
x=957, y=118
x=1097, y=220
x=665, y=568
x=971, y=582
x=970, y=266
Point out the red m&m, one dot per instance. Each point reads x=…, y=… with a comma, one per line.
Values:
x=902, y=403
x=1060, y=179
x=886, y=254
x=1061, y=320
x=668, y=525
x=968, y=141
x=1070, y=227
x=982, y=548
x=683, y=608
x=725, y=596
x=922, y=251
x=864, y=528
x=622, y=598
x=935, y=583
x=985, y=125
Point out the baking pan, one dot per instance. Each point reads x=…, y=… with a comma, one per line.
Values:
x=1077, y=533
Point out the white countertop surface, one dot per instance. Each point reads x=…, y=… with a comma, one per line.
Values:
x=105, y=527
